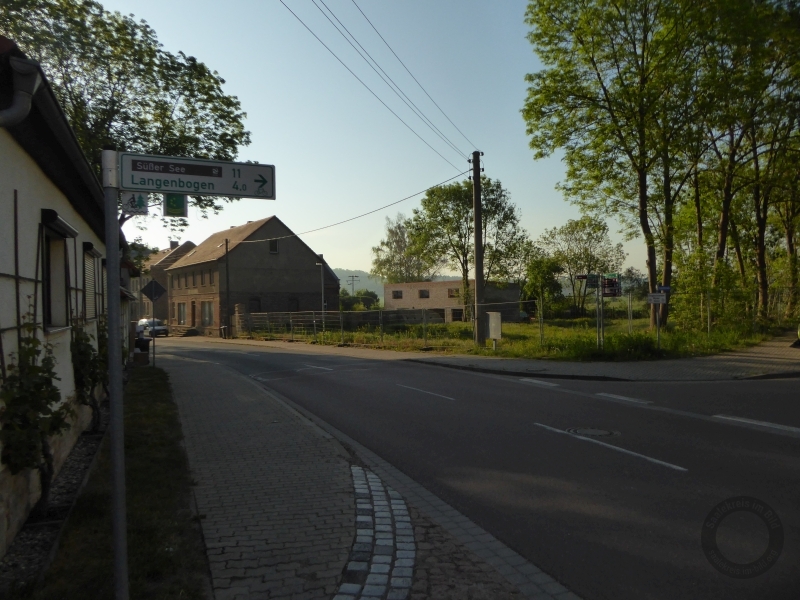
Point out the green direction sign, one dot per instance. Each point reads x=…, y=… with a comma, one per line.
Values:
x=194, y=176
x=176, y=205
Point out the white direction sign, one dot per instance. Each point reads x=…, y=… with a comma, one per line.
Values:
x=134, y=203
x=195, y=176
x=656, y=298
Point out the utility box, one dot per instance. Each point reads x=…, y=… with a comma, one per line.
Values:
x=495, y=325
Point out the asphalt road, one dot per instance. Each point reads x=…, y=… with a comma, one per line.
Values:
x=616, y=517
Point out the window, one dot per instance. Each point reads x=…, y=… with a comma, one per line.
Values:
x=194, y=280
x=210, y=277
x=202, y=277
x=273, y=246
x=424, y=294
x=172, y=311
x=207, y=313
x=54, y=281
x=186, y=280
x=453, y=292
x=397, y=294
x=181, y=313
x=178, y=277
x=171, y=282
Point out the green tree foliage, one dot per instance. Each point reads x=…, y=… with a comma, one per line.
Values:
x=138, y=252
x=443, y=229
x=543, y=284
x=681, y=120
x=118, y=86
x=582, y=246
x=360, y=300
x=32, y=411
x=397, y=260
x=87, y=369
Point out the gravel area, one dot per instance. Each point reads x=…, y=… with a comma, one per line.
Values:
x=33, y=547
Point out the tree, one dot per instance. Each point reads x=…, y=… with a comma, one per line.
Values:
x=397, y=260
x=543, y=278
x=611, y=94
x=118, y=86
x=139, y=253
x=582, y=246
x=443, y=228
x=367, y=298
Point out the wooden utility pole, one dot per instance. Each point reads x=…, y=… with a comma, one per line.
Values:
x=480, y=325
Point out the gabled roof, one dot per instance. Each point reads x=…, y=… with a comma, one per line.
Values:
x=45, y=134
x=213, y=247
x=156, y=258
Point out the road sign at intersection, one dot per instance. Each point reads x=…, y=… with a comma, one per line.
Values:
x=194, y=176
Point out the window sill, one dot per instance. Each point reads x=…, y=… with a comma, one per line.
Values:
x=56, y=330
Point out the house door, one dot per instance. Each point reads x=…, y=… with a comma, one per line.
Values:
x=194, y=313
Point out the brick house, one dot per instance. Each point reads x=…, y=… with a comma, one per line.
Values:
x=271, y=270
x=155, y=268
x=444, y=298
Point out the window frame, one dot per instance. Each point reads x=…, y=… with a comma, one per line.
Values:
x=424, y=294
x=397, y=294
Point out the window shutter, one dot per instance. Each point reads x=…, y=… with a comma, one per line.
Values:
x=89, y=286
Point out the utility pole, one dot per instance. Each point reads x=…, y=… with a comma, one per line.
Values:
x=321, y=266
x=480, y=333
x=351, y=279
x=119, y=529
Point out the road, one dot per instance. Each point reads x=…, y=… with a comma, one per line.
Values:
x=616, y=516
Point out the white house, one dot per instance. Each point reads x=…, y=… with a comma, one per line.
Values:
x=51, y=239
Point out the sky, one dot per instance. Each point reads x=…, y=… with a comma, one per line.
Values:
x=338, y=152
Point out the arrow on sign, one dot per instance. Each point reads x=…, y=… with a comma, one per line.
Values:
x=262, y=180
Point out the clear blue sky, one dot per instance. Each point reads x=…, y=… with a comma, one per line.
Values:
x=337, y=151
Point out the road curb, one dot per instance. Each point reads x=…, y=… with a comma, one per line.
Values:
x=517, y=373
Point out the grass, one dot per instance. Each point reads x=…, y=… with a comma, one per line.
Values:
x=165, y=548
x=564, y=339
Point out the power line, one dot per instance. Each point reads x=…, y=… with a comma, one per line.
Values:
x=412, y=75
x=357, y=216
x=396, y=89
x=368, y=88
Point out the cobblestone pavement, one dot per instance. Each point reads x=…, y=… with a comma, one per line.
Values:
x=276, y=495
x=288, y=512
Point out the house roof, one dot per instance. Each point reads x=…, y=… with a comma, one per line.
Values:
x=45, y=134
x=213, y=248
x=156, y=258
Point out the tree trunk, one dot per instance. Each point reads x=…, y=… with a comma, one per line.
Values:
x=727, y=200
x=697, y=208
x=649, y=240
x=45, y=478
x=738, y=249
x=791, y=249
x=669, y=235
x=760, y=206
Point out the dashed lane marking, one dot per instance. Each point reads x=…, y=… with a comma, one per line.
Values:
x=408, y=387
x=539, y=382
x=617, y=448
x=625, y=398
x=759, y=423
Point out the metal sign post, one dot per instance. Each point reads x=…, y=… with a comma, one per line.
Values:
x=659, y=298
x=116, y=425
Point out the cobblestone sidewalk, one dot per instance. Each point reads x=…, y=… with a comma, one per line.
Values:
x=287, y=512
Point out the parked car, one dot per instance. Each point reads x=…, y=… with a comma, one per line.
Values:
x=152, y=327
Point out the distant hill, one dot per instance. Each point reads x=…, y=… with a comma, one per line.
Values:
x=364, y=282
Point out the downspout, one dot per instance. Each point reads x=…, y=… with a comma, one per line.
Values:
x=26, y=81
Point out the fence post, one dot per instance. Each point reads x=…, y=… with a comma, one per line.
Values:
x=630, y=312
x=540, y=315
x=291, y=328
x=708, y=310
x=269, y=329
x=424, y=328
x=380, y=320
x=314, y=320
x=341, y=324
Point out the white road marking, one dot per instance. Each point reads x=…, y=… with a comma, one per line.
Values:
x=539, y=382
x=617, y=448
x=760, y=423
x=424, y=391
x=315, y=367
x=625, y=398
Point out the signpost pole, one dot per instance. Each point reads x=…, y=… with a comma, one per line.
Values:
x=630, y=312
x=602, y=315
x=480, y=326
x=116, y=425
x=658, y=326
x=227, y=292
x=597, y=315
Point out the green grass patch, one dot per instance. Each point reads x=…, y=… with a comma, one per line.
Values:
x=165, y=547
x=564, y=339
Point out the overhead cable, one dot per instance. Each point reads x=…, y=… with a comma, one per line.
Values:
x=412, y=75
x=357, y=216
x=368, y=88
x=384, y=75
